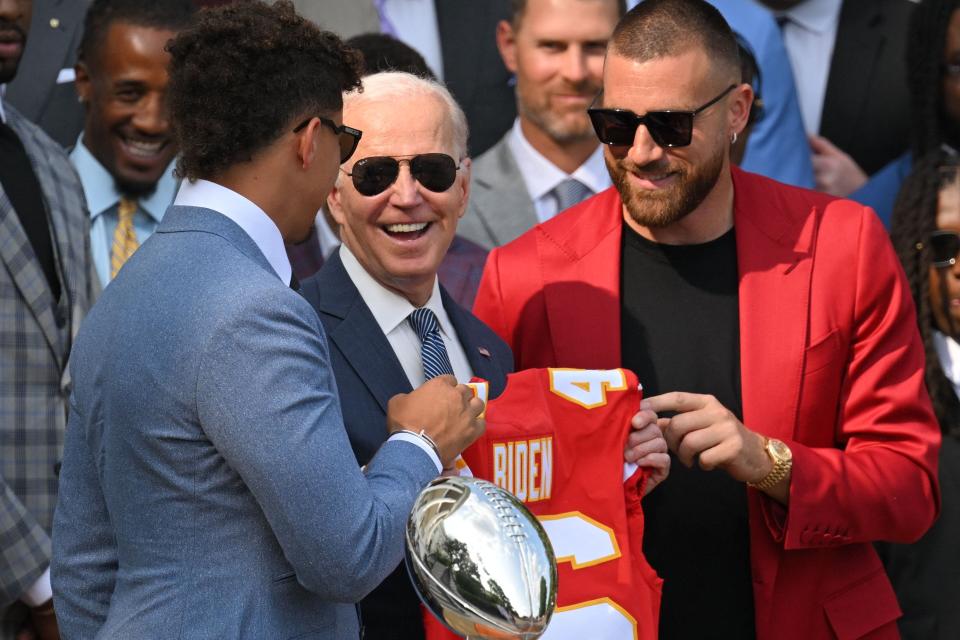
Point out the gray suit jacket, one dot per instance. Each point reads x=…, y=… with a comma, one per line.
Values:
x=500, y=208
x=35, y=91
x=208, y=487
x=35, y=338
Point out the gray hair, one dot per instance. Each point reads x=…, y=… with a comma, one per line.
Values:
x=397, y=85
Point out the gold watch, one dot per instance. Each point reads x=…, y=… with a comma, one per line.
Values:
x=782, y=459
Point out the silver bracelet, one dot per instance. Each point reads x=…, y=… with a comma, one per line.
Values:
x=423, y=434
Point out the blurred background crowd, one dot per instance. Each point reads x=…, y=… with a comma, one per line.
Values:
x=856, y=98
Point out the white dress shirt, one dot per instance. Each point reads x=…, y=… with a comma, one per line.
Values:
x=809, y=35
x=948, y=352
x=542, y=176
x=391, y=310
x=415, y=23
x=248, y=216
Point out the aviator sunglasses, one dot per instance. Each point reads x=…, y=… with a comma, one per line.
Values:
x=349, y=137
x=944, y=247
x=372, y=176
x=618, y=127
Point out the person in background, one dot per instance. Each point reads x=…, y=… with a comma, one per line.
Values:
x=45, y=291
x=125, y=155
x=933, y=60
x=44, y=89
x=926, y=232
x=848, y=59
x=550, y=160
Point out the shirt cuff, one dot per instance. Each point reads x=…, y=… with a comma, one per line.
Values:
x=420, y=442
x=39, y=592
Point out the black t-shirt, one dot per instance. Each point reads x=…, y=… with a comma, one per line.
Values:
x=680, y=332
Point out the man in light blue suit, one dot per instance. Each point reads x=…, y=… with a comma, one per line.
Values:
x=209, y=489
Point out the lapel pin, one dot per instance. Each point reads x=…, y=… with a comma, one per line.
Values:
x=483, y=351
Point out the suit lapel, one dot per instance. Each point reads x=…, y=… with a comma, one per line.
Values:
x=861, y=35
x=503, y=204
x=581, y=271
x=358, y=336
x=775, y=264
x=479, y=353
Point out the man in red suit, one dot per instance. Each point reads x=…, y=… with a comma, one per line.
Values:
x=772, y=330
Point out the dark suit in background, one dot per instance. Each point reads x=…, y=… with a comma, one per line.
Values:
x=368, y=374
x=472, y=68
x=866, y=108
x=55, y=31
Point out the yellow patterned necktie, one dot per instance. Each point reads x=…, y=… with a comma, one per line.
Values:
x=124, y=237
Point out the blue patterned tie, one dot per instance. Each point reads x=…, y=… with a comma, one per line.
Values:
x=570, y=192
x=433, y=352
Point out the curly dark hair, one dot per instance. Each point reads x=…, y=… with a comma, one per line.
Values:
x=914, y=219
x=243, y=74
x=172, y=15
x=928, y=37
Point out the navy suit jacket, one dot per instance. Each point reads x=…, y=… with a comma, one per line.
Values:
x=368, y=374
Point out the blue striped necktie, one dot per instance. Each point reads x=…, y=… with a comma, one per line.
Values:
x=433, y=353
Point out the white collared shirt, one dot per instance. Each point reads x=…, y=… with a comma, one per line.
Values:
x=948, y=352
x=542, y=176
x=3, y=114
x=809, y=36
x=248, y=216
x=391, y=310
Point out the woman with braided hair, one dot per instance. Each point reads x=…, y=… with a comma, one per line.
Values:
x=926, y=234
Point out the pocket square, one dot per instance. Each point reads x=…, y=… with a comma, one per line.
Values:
x=484, y=352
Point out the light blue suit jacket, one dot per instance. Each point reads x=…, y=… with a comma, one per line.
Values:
x=208, y=488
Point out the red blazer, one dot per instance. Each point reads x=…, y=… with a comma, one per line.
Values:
x=831, y=363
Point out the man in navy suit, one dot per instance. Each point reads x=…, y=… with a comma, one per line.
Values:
x=397, y=203
x=208, y=487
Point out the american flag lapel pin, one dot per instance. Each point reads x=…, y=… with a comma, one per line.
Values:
x=483, y=351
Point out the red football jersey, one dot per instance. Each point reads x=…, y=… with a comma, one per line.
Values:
x=555, y=439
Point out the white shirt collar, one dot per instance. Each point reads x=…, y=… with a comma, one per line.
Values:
x=820, y=16
x=248, y=216
x=948, y=352
x=542, y=176
x=389, y=308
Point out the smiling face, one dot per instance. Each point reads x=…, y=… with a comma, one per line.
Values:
x=124, y=89
x=556, y=52
x=401, y=235
x=660, y=186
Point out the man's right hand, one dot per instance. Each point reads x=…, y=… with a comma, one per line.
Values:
x=447, y=412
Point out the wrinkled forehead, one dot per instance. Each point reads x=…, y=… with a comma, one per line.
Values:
x=400, y=125
x=674, y=82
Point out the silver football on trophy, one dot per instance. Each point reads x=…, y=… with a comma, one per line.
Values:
x=480, y=560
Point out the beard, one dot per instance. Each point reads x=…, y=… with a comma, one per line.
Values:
x=133, y=189
x=564, y=127
x=662, y=208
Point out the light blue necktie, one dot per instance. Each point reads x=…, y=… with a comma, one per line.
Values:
x=433, y=352
x=386, y=26
x=570, y=192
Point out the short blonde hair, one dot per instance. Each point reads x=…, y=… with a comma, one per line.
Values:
x=394, y=86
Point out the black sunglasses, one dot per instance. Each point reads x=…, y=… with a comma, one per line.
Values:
x=944, y=247
x=435, y=171
x=349, y=137
x=618, y=127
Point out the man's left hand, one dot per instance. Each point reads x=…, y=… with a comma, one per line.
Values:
x=647, y=448
x=705, y=432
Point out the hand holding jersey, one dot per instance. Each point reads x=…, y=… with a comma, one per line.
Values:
x=448, y=414
x=647, y=448
x=705, y=432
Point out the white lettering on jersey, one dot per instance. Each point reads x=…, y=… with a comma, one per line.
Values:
x=586, y=387
x=602, y=618
x=580, y=540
